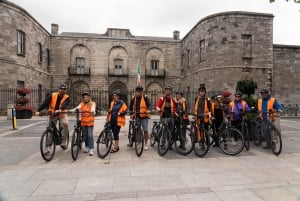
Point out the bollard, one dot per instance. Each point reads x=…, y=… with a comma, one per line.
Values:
x=14, y=119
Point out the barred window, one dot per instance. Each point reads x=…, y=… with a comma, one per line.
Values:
x=21, y=42
x=80, y=63
x=40, y=53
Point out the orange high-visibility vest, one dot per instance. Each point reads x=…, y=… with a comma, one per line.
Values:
x=163, y=105
x=270, y=109
x=120, y=119
x=87, y=118
x=206, y=110
x=232, y=105
x=53, y=101
x=143, y=107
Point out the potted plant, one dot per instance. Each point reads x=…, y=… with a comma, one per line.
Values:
x=23, y=109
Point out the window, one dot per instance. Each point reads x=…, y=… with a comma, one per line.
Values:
x=40, y=53
x=201, y=49
x=20, y=84
x=247, y=45
x=21, y=42
x=48, y=57
x=118, y=66
x=154, y=67
x=188, y=57
x=80, y=62
x=40, y=93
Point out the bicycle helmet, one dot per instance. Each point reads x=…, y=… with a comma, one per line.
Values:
x=168, y=87
x=85, y=94
x=202, y=87
x=63, y=86
x=116, y=92
x=264, y=90
x=139, y=88
x=238, y=93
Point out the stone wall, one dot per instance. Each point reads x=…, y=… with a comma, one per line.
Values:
x=22, y=67
x=286, y=83
x=227, y=47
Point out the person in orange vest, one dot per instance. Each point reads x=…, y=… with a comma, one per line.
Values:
x=237, y=108
x=58, y=102
x=166, y=105
x=203, y=111
x=116, y=118
x=267, y=106
x=140, y=103
x=87, y=108
x=182, y=113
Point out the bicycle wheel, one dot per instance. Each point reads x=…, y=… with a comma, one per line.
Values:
x=75, y=144
x=130, y=136
x=104, y=143
x=47, y=145
x=201, y=148
x=246, y=137
x=163, y=141
x=276, y=141
x=231, y=141
x=257, y=133
x=184, y=143
x=139, y=141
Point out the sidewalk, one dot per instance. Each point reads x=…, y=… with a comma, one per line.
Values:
x=253, y=176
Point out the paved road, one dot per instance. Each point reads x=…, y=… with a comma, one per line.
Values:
x=252, y=175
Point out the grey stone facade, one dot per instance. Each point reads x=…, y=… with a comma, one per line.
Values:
x=219, y=50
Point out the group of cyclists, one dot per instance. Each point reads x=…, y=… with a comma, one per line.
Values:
x=171, y=109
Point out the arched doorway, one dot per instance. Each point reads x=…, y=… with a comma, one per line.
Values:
x=120, y=86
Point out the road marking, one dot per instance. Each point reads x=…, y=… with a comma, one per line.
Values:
x=22, y=128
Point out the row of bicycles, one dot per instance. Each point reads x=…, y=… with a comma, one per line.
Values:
x=193, y=137
x=231, y=139
x=53, y=137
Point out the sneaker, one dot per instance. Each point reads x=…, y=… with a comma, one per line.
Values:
x=201, y=146
x=266, y=145
x=85, y=150
x=91, y=152
x=129, y=145
x=225, y=145
x=146, y=147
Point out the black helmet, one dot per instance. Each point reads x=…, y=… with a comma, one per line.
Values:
x=264, y=90
x=202, y=87
x=168, y=87
x=116, y=92
x=139, y=88
x=85, y=94
x=238, y=93
x=63, y=86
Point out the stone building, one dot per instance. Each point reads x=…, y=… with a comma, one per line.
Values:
x=219, y=50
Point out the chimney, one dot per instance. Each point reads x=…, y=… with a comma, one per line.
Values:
x=54, y=29
x=176, y=35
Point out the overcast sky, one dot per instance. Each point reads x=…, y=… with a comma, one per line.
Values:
x=157, y=17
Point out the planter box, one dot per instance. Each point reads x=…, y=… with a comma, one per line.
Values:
x=23, y=114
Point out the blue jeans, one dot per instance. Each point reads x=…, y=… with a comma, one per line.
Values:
x=89, y=137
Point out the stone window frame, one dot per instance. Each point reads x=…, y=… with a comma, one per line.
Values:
x=48, y=57
x=118, y=64
x=154, y=64
x=40, y=53
x=21, y=43
x=201, y=50
x=80, y=65
x=247, y=45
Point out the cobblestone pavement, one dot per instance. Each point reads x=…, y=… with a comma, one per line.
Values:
x=252, y=175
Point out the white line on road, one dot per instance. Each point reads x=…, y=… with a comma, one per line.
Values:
x=24, y=127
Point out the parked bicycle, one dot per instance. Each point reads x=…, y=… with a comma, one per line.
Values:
x=202, y=138
x=154, y=132
x=136, y=135
x=184, y=137
x=164, y=137
x=230, y=139
x=105, y=141
x=267, y=131
x=78, y=137
x=52, y=137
